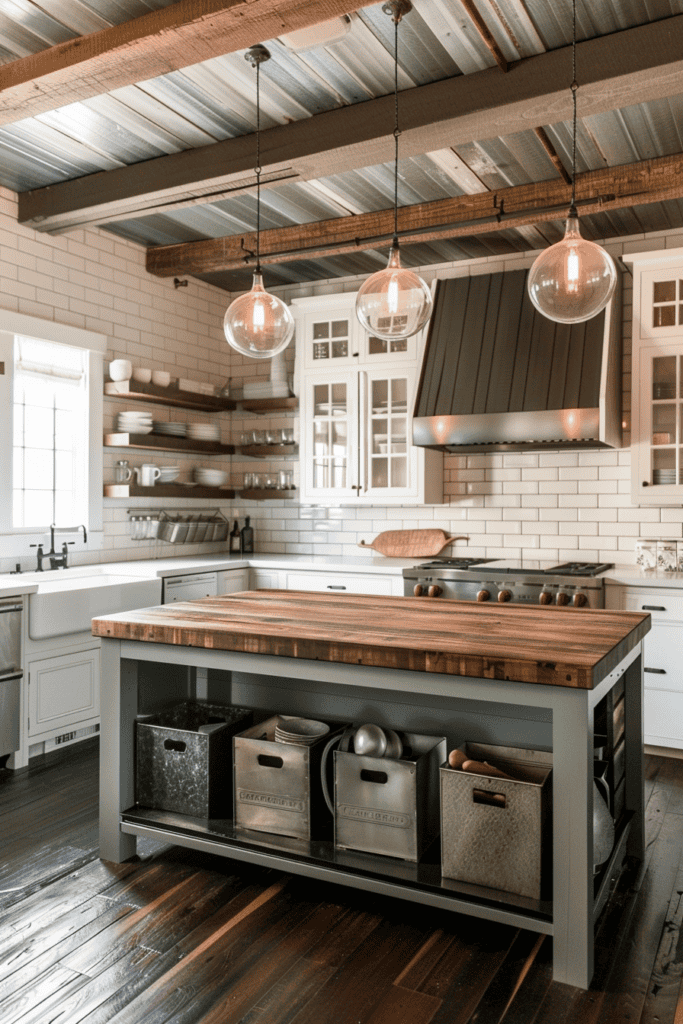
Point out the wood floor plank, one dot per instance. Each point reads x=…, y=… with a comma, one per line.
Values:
x=351, y=994
x=56, y=982
x=665, y=983
x=404, y=1006
x=83, y=994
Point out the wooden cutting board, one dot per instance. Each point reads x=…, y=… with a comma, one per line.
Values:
x=410, y=543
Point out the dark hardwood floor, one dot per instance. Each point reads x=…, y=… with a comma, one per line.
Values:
x=180, y=937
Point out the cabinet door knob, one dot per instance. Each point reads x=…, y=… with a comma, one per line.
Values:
x=646, y=483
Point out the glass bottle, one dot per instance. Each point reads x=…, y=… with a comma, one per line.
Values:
x=235, y=539
x=247, y=535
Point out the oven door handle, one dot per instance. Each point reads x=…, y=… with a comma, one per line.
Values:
x=9, y=676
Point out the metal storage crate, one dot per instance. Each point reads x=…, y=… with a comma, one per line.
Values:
x=496, y=832
x=180, y=528
x=278, y=785
x=184, y=758
x=388, y=806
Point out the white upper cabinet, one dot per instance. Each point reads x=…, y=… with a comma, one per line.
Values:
x=356, y=395
x=657, y=378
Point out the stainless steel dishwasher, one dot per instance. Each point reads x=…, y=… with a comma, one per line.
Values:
x=10, y=673
x=190, y=588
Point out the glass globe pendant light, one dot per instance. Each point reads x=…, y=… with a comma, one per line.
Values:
x=574, y=279
x=258, y=324
x=394, y=302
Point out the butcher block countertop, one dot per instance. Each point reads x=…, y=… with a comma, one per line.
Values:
x=573, y=647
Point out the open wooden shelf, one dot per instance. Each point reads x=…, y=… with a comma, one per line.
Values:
x=167, y=443
x=265, y=451
x=266, y=493
x=264, y=405
x=167, y=491
x=172, y=395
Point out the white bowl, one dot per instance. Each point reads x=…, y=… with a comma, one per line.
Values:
x=210, y=477
x=120, y=369
x=142, y=374
x=162, y=378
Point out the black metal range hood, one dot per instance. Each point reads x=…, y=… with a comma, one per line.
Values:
x=499, y=376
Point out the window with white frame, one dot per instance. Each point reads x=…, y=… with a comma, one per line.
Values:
x=49, y=456
x=50, y=429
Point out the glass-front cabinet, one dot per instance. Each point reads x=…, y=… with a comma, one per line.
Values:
x=657, y=378
x=356, y=394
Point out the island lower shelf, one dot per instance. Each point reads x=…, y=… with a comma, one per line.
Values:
x=421, y=882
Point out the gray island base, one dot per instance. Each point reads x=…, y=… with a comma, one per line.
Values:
x=143, y=676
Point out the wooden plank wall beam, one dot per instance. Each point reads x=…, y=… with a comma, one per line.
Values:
x=650, y=181
x=187, y=32
x=628, y=67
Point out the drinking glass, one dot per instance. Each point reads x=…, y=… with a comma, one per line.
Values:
x=248, y=481
x=272, y=437
x=285, y=479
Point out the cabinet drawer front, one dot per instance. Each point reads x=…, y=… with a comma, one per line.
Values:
x=663, y=718
x=662, y=663
x=662, y=606
x=345, y=583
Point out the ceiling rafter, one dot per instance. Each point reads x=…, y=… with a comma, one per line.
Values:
x=174, y=37
x=649, y=181
x=628, y=67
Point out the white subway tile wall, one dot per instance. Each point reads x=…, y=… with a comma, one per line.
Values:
x=557, y=505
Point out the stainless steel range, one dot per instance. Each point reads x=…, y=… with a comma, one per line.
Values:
x=579, y=584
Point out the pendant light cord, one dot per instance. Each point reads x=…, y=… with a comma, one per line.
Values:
x=575, y=89
x=258, y=168
x=396, y=131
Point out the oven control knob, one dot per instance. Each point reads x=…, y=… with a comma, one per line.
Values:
x=545, y=597
x=483, y=595
x=562, y=598
x=434, y=591
x=579, y=600
x=504, y=595
x=418, y=590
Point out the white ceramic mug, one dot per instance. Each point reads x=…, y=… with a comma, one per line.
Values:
x=120, y=369
x=147, y=475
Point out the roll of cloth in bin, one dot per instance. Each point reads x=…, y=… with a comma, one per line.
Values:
x=497, y=832
x=184, y=758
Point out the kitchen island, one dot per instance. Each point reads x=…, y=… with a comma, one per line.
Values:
x=520, y=676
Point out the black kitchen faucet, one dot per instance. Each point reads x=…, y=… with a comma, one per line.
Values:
x=57, y=561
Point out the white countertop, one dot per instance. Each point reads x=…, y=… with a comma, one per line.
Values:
x=632, y=576
x=10, y=584
x=210, y=563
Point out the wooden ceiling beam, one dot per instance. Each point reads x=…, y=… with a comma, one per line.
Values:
x=628, y=67
x=185, y=33
x=650, y=181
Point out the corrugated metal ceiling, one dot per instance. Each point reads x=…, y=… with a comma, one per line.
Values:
x=215, y=100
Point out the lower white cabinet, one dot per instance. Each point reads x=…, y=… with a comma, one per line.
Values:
x=349, y=583
x=662, y=659
x=267, y=579
x=231, y=581
x=63, y=690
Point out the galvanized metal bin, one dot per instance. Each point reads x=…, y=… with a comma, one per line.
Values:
x=496, y=832
x=278, y=785
x=389, y=806
x=184, y=758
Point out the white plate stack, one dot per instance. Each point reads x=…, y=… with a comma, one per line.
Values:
x=203, y=431
x=167, y=474
x=196, y=386
x=170, y=428
x=664, y=476
x=302, y=731
x=131, y=422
